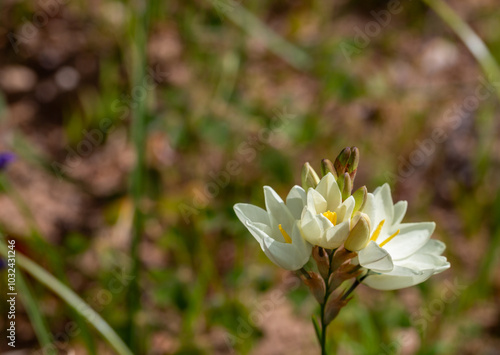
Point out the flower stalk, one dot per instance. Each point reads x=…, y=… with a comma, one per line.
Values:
x=339, y=270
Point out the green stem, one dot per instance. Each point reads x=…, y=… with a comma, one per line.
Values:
x=323, y=329
x=72, y=299
x=138, y=32
x=324, y=326
x=473, y=42
x=356, y=283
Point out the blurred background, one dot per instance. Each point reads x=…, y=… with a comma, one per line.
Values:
x=138, y=125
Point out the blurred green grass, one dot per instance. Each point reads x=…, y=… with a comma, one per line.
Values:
x=226, y=85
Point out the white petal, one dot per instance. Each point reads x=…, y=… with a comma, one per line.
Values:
x=325, y=184
x=265, y=228
x=400, y=277
x=384, y=194
x=324, y=222
x=285, y=255
x=299, y=242
x=375, y=258
x=422, y=262
x=446, y=265
x=433, y=247
x=329, y=189
x=277, y=253
x=296, y=201
x=399, y=211
x=258, y=233
x=276, y=207
x=316, y=201
x=379, y=207
x=411, y=238
x=311, y=229
x=374, y=210
x=344, y=212
x=248, y=212
x=336, y=236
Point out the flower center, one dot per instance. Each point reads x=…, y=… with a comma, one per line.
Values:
x=377, y=233
x=332, y=216
x=285, y=235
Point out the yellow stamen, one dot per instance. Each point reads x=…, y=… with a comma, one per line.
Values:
x=285, y=235
x=388, y=239
x=332, y=216
x=377, y=231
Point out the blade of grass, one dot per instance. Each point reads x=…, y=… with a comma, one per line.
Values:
x=316, y=328
x=38, y=242
x=491, y=69
x=72, y=299
x=473, y=42
x=254, y=27
x=138, y=33
x=35, y=315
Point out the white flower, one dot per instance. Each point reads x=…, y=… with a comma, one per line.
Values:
x=277, y=229
x=325, y=219
x=398, y=254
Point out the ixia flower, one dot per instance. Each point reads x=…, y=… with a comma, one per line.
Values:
x=5, y=159
x=325, y=219
x=276, y=228
x=398, y=254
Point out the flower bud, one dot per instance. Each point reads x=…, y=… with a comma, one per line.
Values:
x=352, y=164
x=343, y=273
x=322, y=260
x=360, y=196
x=340, y=257
x=333, y=307
x=342, y=160
x=360, y=233
x=346, y=186
x=334, y=282
x=317, y=286
x=327, y=167
x=309, y=177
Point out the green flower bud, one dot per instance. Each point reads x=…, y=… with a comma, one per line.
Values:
x=342, y=160
x=360, y=233
x=327, y=167
x=345, y=185
x=309, y=177
x=352, y=164
x=360, y=196
x=347, y=188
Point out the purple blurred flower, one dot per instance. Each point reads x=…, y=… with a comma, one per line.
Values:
x=5, y=159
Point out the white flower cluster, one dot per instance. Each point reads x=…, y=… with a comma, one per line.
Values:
x=395, y=254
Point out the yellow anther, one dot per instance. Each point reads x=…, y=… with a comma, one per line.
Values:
x=332, y=216
x=388, y=239
x=377, y=231
x=285, y=235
